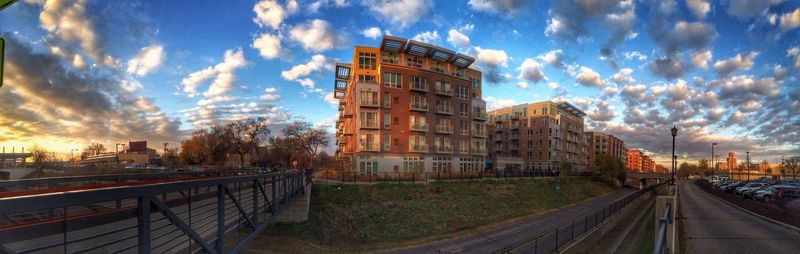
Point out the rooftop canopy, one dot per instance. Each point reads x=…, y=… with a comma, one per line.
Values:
x=421, y=49
x=571, y=109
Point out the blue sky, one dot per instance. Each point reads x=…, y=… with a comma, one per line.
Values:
x=724, y=71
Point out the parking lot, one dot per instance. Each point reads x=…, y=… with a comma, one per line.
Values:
x=776, y=199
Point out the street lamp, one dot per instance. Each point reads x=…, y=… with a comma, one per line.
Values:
x=713, y=165
x=72, y=156
x=674, y=133
x=116, y=148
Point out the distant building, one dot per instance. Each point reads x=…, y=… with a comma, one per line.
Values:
x=601, y=143
x=634, y=161
x=647, y=164
x=731, y=161
x=136, y=152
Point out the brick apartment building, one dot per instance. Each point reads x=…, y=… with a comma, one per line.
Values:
x=537, y=136
x=638, y=162
x=601, y=143
x=408, y=106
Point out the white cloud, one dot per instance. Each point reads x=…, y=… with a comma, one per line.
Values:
x=531, y=70
x=317, y=63
x=268, y=46
x=790, y=20
x=270, y=13
x=588, y=77
x=634, y=55
x=329, y=97
x=493, y=103
x=314, y=7
x=738, y=62
x=506, y=7
x=795, y=53
x=491, y=57
x=317, y=36
x=400, y=14
x=623, y=76
x=223, y=73
x=215, y=100
x=699, y=7
x=552, y=85
x=552, y=57
x=372, y=32
x=431, y=37
x=67, y=21
x=270, y=94
x=130, y=85
x=458, y=39
x=744, y=9
x=700, y=59
x=148, y=59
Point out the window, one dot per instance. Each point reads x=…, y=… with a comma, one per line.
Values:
x=414, y=61
x=418, y=83
x=366, y=60
x=418, y=144
x=392, y=80
x=437, y=66
x=368, y=98
x=463, y=109
x=387, y=100
x=390, y=58
x=368, y=119
x=368, y=167
x=366, y=78
x=368, y=142
x=387, y=141
x=387, y=120
x=463, y=147
x=461, y=92
x=464, y=128
x=417, y=123
x=419, y=103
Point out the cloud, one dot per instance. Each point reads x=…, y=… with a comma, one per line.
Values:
x=736, y=63
x=314, y=7
x=400, y=14
x=491, y=60
x=372, y=32
x=623, y=76
x=215, y=100
x=222, y=73
x=667, y=67
x=698, y=7
x=744, y=9
x=635, y=55
x=794, y=52
x=493, y=103
x=687, y=36
x=780, y=73
x=317, y=63
x=66, y=21
x=588, y=77
x=268, y=45
x=317, y=36
x=740, y=89
x=531, y=70
x=700, y=59
x=457, y=39
x=634, y=93
x=270, y=94
x=329, y=97
x=271, y=14
x=505, y=7
x=130, y=85
x=431, y=37
x=552, y=57
x=602, y=112
x=147, y=60
x=790, y=20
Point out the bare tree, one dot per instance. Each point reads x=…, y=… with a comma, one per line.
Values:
x=41, y=156
x=307, y=137
x=244, y=136
x=792, y=166
x=94, y=149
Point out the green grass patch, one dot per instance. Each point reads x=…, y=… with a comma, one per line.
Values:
x=361, y=214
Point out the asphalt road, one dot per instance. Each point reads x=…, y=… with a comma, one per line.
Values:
x=498, y=238
x=713, y=226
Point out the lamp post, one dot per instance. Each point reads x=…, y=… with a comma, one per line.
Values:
x=674, y=133
x=116, y=149
x=72, y=156
x=713, y=165
x=748, y=165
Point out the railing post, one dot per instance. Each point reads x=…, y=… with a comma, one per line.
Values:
x=557, y=237
x=274, y=204
x=220, y=244
x=144, y=225
x=255, y=201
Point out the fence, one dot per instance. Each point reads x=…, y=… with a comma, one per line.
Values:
x=200, y=215
x=550, y=241
x=661, y=241
x=423, y=177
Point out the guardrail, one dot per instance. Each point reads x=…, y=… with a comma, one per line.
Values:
x=66, y=180
x=422, y=177
x=550, y=241
x=661, y=239
x=201, y=215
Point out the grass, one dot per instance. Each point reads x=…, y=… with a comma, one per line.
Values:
x=347, y=215
x=646, y=241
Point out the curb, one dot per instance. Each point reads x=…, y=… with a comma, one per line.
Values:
x=762, y=217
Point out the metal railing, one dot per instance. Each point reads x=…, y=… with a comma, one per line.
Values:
x=663, y=222
x=200, y=215
x=552, y=240
x=423, y=177
x=34, y=183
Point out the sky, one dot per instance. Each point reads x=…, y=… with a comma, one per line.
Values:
x=78, y=72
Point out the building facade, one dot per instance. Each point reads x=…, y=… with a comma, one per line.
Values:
x=731, y=161
x=599, y=143
x=537, y=136
x=634, y=161
x=407, y=106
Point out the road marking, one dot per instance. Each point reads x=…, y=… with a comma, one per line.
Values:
x=456, y=251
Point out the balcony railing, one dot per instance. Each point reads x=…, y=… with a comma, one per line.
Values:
x=439, y=69
x=419, y=148
x=419, y=106
x=369, y=103
x=390, y=59
x=479, y=151
x=513, y=136
x=372, y=147
x=513, y=126
x=444, y=109
x=369, y=124
x=444, y=149
x=480, y=115
x=420, y=87
x=448, y=129
x=419, y=127
x=463, y=150
x=444, y=90
x=479, y=133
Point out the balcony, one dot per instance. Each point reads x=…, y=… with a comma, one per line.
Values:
x=479, y=133
x=513, y=136
x=514, y=126
x=419, y=127
x=444, y=109
x=444, y=90
x=480, y=116
x=370, y=147
x=391, y=59
x=369, y=103
x=419, y=87
x=419, y=148
x=369, y=125
x=446, y=129
x=439, y=69
x=444, y=149
x=479, y=151
x=419, y=106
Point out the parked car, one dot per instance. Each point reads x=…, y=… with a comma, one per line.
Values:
x=776, y=192
x=731, y=186
x=749, y=186
x=752, y=192
x=136, y=166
